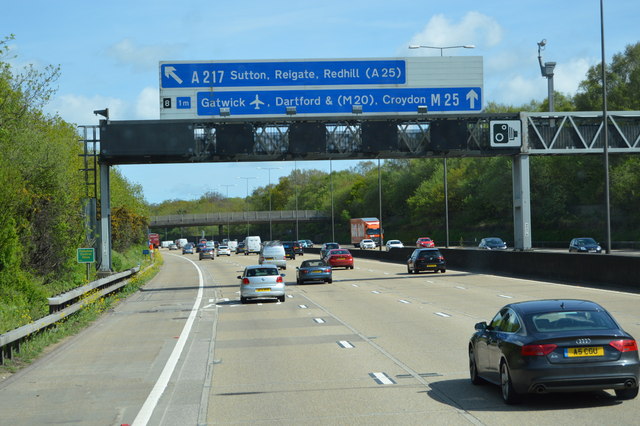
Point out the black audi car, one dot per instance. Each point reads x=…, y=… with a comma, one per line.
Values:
x=545, y=346
x=426, y=259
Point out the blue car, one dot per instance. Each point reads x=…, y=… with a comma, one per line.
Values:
x=584, y=245
x=314, y=270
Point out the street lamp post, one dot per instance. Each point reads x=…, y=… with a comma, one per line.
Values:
x=295, y=183
x=247, y=199
x=228, y=220
x=333, y=226
x=269, y=169
x=462, y=46
x=605, y=128
x=444, y=160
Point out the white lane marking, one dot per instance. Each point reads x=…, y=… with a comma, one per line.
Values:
x=208, y=306
x=143, y=416
x=355, y=285
x=403, y=301
x=319, y=320
x=386, y=273
x=302, y=306
x=442, y=314
x=505, y=296
x=430, y=282
x=460, y=287
x=375, y=292
x=345, y=344
x=382, y=379
x=289, y=296
x=211, y=300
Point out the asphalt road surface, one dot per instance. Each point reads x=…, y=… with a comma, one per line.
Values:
x=378, y=346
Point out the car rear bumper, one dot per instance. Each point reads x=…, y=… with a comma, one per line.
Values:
x=315, y=277
x=254, y=292
x=617, y=375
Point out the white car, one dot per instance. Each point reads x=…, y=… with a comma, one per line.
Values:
x=367, y=244
x=224, y=251
x=391, y=244
x=259, y=281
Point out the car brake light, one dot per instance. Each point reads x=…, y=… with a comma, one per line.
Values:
x=245, y=281
x=538, y=350
x=279, y=279
x=627, y=345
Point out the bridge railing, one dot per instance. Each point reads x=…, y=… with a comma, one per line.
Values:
x=223, y=218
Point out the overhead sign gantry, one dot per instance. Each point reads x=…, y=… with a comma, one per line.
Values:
x=320, y=87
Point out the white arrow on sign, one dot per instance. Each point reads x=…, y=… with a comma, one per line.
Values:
x=472, y=97
x=169, y=72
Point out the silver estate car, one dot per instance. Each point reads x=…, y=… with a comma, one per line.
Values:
x=261, y=281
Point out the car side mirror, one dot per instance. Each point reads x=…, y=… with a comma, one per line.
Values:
x=239, y=277
x=283, y=275
x=481, y=326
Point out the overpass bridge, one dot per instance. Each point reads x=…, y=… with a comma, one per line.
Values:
x=234, y=218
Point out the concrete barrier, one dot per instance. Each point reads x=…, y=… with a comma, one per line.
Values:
x=602, y=270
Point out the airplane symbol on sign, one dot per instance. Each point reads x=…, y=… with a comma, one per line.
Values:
x=257, y=102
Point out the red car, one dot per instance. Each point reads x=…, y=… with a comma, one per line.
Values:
x=425, y=242
x=339, y=257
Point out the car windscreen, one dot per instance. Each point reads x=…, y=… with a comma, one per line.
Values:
x=334, y=252
x=548, y=322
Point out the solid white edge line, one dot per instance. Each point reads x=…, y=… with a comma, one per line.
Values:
x=158, y=389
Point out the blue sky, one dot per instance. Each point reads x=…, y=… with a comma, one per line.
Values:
x=109, y=54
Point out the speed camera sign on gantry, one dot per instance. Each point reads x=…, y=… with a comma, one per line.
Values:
x=505, y=133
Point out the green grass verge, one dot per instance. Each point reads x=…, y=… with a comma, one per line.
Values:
x=32, y=347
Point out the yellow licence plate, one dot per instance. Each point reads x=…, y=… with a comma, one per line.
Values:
x=263, y=289
x=432, y=265
x=584, y=351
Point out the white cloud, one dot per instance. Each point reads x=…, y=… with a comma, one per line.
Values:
x=141, y=58
x=79, y=109
x=147, y=104
x=568, y=75
x=517, y=90
x=474, y=28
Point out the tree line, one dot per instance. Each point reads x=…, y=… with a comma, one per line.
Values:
x=42, y=196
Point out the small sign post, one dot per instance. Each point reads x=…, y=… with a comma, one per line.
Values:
x=88, y=256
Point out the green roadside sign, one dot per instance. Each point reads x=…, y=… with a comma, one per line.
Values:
x=86, y=255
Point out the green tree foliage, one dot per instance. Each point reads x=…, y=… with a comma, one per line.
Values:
x=623, y=83
x=42, y=194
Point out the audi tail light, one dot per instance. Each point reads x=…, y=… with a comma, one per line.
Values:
x=626, y=345
x=537, y=350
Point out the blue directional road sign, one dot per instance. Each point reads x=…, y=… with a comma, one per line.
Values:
x=389, y=86
x=289, y=73
x=275, y=102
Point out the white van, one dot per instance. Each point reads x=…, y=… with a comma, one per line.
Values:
x=252, y=245
x=272, y=253
x=233, y=245
x=181, y=242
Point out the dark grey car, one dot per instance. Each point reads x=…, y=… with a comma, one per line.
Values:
x=545, y=346
x=426, y=259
